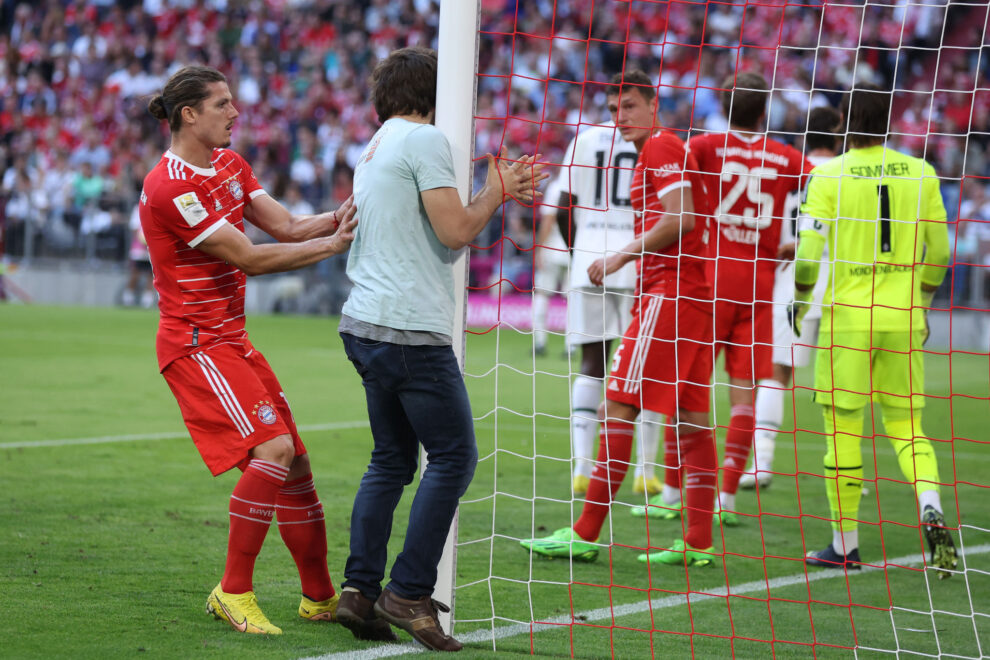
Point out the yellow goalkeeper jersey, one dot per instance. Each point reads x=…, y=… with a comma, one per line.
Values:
x=881, y=213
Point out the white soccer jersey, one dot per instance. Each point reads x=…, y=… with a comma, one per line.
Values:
x=556, y=253
x=600, y=166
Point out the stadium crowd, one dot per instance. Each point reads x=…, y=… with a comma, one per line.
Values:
x=75, y=140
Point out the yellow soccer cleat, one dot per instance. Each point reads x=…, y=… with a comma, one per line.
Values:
x=319, y=610
x=241, y=611
x=580, y=484
x=650, y=486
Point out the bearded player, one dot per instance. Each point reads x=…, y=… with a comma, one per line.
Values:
x=664, y=362
x=192, y=209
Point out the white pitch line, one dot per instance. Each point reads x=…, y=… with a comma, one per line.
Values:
x=168, y=435
x=603, y=613
x=331, y=426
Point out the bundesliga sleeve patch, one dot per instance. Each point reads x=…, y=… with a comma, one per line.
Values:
x=190, y=207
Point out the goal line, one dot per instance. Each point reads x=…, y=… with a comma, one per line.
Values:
x=605, y=613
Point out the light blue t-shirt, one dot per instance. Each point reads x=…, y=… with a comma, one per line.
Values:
x=402, y=273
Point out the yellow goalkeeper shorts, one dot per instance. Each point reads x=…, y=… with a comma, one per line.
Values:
x=853, y=368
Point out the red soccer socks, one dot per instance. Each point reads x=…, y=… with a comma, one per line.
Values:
x=614, y=452
x=252, y=507
x=301, y=524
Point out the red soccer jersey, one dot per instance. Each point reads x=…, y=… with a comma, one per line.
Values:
x=750, y=177
x=680, y=269
x=201, y=297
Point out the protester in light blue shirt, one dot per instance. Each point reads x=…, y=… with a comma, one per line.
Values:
x=397, y=328
x=402, y=272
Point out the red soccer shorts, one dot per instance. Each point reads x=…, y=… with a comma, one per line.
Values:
x=231, y=402
x=664, y=362
x=745, y=331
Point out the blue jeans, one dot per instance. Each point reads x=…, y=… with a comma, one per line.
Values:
x=416, y=396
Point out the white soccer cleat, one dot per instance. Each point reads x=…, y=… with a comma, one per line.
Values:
x=750, y=480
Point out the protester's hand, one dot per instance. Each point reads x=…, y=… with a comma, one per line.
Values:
x=343, y=213
x=517, y=179
x=599, y=268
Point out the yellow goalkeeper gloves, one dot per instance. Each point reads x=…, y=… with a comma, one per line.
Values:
x=797, y=309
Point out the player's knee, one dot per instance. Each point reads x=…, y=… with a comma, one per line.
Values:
x=279, y=450
x=903, y=422
x=691, y=421
x=300, y=467
x=593, y=360
x=617, y=410
x=830, y=461
x=782, y=373
x=592, y=369
x=742, y=392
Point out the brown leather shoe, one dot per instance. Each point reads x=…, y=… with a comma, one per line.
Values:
x=418, y=618
x=357, y=614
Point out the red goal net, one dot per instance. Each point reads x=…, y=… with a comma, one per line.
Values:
x=543, y=77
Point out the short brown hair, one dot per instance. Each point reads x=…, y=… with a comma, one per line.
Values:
x=866, y=113
x=744, y=99
x=405, y=83
x=634, y=79
x=186, y=87
x=823, y=122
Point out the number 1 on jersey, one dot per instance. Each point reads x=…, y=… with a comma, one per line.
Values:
x=884, y=193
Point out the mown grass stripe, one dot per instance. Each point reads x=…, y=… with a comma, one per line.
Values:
x=167, y=435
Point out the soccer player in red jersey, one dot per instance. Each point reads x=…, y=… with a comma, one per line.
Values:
x=664, y=362
x=750, y=175
x=192, y=209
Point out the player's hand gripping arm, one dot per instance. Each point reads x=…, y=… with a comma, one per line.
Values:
x=678, y=219
x=231, y=245
x=457, y=225
x=268, y=214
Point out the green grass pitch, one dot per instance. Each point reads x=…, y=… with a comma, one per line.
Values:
x=112, y=532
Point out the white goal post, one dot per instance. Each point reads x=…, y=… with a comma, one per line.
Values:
x=457, y=51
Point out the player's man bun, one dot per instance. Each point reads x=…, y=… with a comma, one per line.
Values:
x=156, y=108
x=744, y=99
x=189, y=86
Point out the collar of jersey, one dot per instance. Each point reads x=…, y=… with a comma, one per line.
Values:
x=205, y=171
x=748, y=138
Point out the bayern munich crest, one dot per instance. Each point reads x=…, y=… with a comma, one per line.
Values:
x=265, y=412
x=236, y=190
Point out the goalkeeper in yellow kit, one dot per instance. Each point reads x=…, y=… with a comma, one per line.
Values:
x=882, y=215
